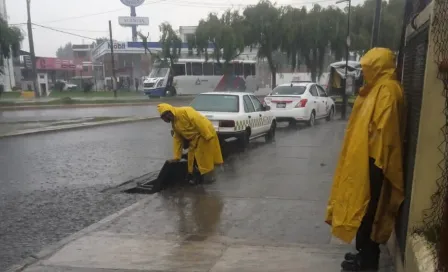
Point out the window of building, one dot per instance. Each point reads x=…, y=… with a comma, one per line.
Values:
x=81, y=54
x=85, y=68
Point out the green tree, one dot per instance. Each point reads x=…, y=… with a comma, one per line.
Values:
x=390, y=28
x=321, y=32
x=171, y=45
x=10, y=39
x=65, y=52
x=391, y=24
x=101, y=40
x=226, y=34
x=264, y=31
x=292, y=24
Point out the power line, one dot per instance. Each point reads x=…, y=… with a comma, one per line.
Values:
x=181, y=3
x=227, y=5
x=64, y=32
x=80, y=30
x=91, y=14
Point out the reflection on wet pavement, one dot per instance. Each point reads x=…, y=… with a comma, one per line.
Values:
x=51, y=183
x=271, y=194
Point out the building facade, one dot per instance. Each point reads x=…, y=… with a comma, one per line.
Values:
x=420, y=242
x=7, y=79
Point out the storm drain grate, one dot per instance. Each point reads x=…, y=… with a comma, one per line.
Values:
x=172, y=173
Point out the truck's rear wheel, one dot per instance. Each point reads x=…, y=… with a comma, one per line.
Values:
x=170, y=91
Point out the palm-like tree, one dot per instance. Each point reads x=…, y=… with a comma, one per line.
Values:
x=10, y=39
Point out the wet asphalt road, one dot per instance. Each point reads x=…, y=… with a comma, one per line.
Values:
x=72, y=113
x=51, y=183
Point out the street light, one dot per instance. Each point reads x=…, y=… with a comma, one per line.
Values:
x=347, y=49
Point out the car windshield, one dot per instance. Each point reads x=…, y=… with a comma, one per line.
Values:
x=158, y=72
x=289, y=90
x=216, y=103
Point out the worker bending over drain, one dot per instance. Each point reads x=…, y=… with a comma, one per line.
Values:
x=192, y=129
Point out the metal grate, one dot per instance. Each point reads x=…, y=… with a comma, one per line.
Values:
x=413, y=78
x=435, y=219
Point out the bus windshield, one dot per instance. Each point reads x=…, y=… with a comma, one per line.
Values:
x=158, y=72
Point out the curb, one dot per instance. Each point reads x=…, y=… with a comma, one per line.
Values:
x=71, y=106
x=77, y=126
x=53, y=248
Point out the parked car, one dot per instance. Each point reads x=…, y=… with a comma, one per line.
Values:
x=237, y=116
x=300, y=102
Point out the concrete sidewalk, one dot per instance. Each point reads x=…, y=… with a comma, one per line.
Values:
x=264, y=213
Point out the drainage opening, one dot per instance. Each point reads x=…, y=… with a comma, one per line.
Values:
x=172, y=173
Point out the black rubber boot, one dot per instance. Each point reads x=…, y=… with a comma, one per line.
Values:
x=362, y=262
x=357, y=265
x=349, y=256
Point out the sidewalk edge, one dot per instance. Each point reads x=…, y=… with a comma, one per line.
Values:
x=78, y=126
x=53, y=248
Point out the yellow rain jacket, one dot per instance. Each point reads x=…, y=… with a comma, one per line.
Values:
x=375, y=129
x=198, y=130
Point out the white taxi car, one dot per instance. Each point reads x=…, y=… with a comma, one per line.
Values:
x=236, y=116
x=300, y=102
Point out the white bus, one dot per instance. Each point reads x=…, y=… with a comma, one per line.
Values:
x=195, y=76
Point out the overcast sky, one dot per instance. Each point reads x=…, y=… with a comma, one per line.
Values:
x=90, y=18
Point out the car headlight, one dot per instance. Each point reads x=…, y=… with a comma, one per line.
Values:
x=160, y=83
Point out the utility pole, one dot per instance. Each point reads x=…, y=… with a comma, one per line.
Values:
x=134, y=28
x=32, y=53
x=347, y=55
x=114, y=79
x=376, y=24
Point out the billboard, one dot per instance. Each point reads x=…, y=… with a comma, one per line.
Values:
x=55, y=64
x=133, y=21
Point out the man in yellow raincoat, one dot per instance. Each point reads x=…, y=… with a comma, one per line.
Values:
x=368, y=184
x=190, y=126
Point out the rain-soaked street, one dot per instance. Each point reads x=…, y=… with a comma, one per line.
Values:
x=71, y=113
x=52, y=183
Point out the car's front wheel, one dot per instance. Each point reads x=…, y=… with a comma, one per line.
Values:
x=330, y=114
x=270, y=137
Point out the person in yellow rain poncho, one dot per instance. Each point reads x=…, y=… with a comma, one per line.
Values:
x=368, y=183
x=189, y=125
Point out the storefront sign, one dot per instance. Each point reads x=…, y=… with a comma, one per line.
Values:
x=132, y=3
x=133, y=21
x=117, y=46
x=54, y=64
